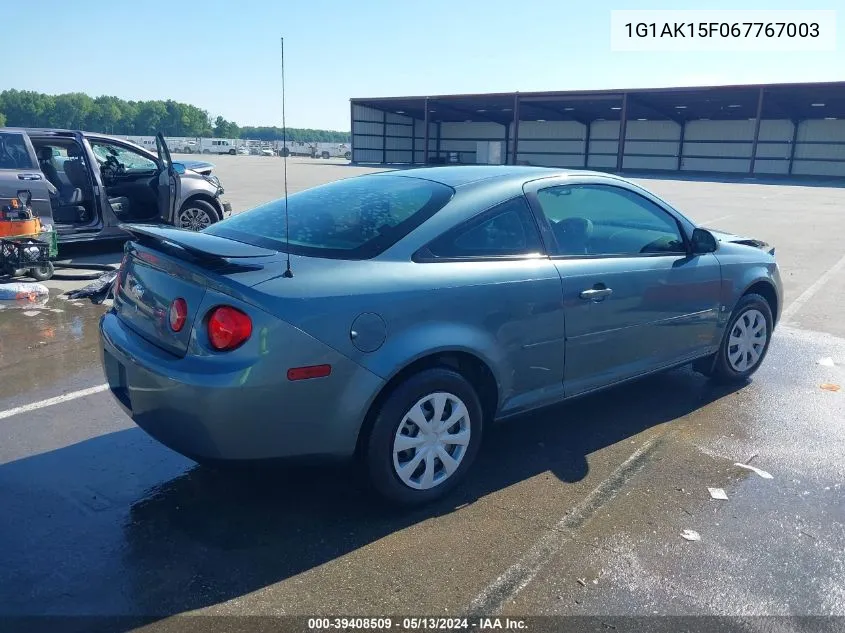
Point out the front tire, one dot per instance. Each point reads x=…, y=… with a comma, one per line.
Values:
x=425, y=437
x=745, y=342
x=196, y=215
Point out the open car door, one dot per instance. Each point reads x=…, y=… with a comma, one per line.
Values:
x=20, y=174
x=168, y=182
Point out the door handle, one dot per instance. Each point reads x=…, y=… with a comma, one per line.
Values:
x=29, y=176
x=594, y=294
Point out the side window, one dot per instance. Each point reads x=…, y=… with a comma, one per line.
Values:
x=506, y=230
x=607, y=220
x=13, y=152
x=127, y=160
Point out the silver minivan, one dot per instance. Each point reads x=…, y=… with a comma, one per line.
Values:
x=87, y=184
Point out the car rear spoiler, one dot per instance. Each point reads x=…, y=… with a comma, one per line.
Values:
x=208, y=251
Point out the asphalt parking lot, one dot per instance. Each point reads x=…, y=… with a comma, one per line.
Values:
x=578, y=510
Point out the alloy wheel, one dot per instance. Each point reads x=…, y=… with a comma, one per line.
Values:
x=194, y=219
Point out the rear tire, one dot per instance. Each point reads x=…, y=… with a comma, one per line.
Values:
x=436, y=458
x=745, y=342
x=43, y=272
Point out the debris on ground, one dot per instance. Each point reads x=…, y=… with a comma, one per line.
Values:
x=718, y=493
x=829, y=386
x=31, y=313
x=827, y=362
x=582, y=582
x=23, y=295
x=691, y=535
x=97, y=290
x=759, y=471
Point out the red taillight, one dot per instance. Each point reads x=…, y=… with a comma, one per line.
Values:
x=178, y=314
x=120, y=270
x=312, y=371
x=228, y=328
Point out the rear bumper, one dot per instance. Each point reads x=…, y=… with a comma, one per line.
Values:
x=205, y=409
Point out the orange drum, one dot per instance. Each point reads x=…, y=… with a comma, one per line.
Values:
x=15, y=228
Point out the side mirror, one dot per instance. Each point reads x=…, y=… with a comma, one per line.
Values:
x=703, y=242
x=179, y=168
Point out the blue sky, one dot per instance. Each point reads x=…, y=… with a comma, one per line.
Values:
x=224, y=56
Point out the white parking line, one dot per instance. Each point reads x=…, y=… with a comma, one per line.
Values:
x=517, y=576
x=49, y=402
x=808, y=294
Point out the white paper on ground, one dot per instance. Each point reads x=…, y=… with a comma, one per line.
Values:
x=759, y=471
x=691, y=535
x=718, y=493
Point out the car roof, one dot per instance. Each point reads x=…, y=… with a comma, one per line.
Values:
x=52, y=131
x=460, y=175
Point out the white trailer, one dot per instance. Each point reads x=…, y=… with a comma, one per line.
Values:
x=218, y=146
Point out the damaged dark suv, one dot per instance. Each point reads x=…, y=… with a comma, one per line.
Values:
x=87, y=184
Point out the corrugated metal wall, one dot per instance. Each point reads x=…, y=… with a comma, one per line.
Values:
x=551, y=143
x=706, y=146
x=399, y=138
x=604, y=145
x=820, y=148
x=419, y=140
x=651, y=145
x=367, y=134
x=463, y=138
x=774, y=144
x=718, y=146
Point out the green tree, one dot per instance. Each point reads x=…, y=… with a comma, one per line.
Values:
x=151, y=115
x=225, y=129
x=107, y=115
x=24, y=108
x=2, y=119
x=71, y=111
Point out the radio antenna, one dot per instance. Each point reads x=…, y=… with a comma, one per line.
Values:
x=288, y=272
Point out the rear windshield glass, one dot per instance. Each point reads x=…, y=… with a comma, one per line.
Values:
x=13, y=152
x=356, y=218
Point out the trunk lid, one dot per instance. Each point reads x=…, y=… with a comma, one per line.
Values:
x=163, y=263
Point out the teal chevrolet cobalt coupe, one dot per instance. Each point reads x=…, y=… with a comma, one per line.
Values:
x=392, y=317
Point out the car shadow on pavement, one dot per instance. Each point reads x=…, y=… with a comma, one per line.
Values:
x=202, y=536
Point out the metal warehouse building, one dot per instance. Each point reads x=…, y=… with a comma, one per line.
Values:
x=776, y=129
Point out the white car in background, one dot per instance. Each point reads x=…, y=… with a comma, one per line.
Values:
x=243, y=151
x=267, y=151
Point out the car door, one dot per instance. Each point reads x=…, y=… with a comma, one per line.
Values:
x=493, y=276
x=20, y=172
x=636, y=299
x=168, y=182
